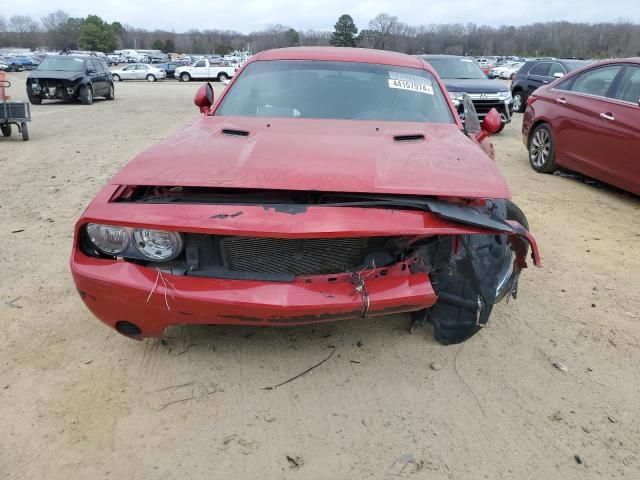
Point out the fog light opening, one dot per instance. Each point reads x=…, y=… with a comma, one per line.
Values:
x=128, y=329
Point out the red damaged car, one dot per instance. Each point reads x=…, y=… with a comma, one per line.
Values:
x=324, y=184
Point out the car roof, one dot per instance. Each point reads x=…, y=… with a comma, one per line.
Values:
x=341, y=54
x=428, y=57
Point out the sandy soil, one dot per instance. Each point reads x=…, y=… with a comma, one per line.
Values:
x=77, y=400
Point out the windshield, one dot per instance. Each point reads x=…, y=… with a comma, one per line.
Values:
x=62, y=64
x=337, y=90
x=458, y=68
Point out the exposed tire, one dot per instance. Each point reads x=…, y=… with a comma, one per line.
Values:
x=502, y=125
x=112, y=92
x=519, y=101
x=86, y=95
x=222, y=76
x=35, y=100
x=185, y=77
x=25, y=131
x=6, y=129
x=542, y=155
x=116, y=78
x=151, y=78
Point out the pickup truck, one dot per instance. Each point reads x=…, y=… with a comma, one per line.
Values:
x=204, y=69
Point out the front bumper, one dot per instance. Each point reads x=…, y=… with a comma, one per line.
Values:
x=120, y=291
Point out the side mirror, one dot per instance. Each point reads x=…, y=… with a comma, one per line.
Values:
x=491, y=124
x=204, y=98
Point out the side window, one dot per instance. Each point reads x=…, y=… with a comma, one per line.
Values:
x=201, y=63
x=541, y=69
x=96, y=66
x=556, y=68
x=595, y=82
x=129, y=68
x=629, y=89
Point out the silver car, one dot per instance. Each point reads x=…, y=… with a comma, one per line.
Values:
x=139, y=71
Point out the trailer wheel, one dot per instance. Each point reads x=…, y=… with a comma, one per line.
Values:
x=6, y=129
x=25, y=131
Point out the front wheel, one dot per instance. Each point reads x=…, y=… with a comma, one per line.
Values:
x=116, y=78
x=86, y=95
x=35, y=100
x=25, y=131
x=6, y=129
x=185, y=77
x=542, y=153
x=222, y=77
x=151, y=78
x=519, y=102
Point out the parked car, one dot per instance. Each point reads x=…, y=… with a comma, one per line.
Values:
x=510, y=71
x=325, y=184
x=139, y=71
x=463, y=75
x=170, y=68
x=67, y=77
x=589, y=122
x=535, y=73
x=4, y=67
x=204, y=69
x=25, y=62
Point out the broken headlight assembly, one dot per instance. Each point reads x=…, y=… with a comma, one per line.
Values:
x=138, y=243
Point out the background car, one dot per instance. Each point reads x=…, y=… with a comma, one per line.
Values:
x=139, y=71
x=536, y=73
x=170, y=67
x=463, y=75
x=67, y=77
x=589, y=122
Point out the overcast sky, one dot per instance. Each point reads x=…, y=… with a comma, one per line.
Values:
x=251, y=15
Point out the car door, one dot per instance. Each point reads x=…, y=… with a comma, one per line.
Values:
x=538, y=76
x=129, y=72
x=200, y=69
x=100, y=80
x=623, y=163
x=91, y=70
x=584, y=131
x=141, y=71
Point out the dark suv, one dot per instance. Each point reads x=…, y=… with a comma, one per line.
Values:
x=535, y=73
x=463, y=75
x=67, y=77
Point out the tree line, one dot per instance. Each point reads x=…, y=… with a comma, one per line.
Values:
x=58, y=31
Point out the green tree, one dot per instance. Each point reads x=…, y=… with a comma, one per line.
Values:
x=97, y=35
x=169, y=46
x=345, y=32
x=292, y=37
x=157, y=45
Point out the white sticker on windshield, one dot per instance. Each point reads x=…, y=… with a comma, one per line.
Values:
x=412, y=86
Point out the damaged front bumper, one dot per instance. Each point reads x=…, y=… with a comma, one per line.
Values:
x=152, y=297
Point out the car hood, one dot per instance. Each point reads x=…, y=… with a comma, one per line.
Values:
x=474, y=85
x=56, y=74
x=321, y=155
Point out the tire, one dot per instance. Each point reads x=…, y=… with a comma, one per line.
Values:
x=151, y=78
x=185, y=77
x=6, y=129
x=519, y=101
x=86, y=95
x=222, y=76
x=542, y=155
x=116, y=78
x=35, y=100
x=25, y=131
x=112, y=93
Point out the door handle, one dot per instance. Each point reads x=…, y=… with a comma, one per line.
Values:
x=607, y=116
x=561, y=101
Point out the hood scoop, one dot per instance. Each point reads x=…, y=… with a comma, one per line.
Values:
x=235, y=133
x=416, y=137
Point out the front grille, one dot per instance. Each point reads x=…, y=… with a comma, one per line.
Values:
x=484, y=106
x=312, y=256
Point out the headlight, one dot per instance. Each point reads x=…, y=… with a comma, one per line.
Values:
x=110, y=239
x=504, y=95
x=456, y=95
x=157, y=244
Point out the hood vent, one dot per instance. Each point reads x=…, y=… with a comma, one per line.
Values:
x=417, y=137
x=235, y=133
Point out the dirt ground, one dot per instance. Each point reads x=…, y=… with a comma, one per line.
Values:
x=77, y=400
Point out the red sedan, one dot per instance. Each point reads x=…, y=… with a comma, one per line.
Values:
x=589, y=122
x=325, y=184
